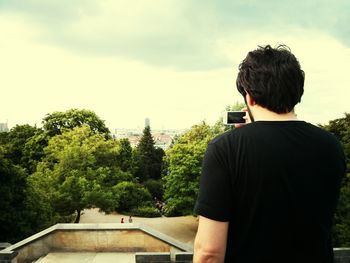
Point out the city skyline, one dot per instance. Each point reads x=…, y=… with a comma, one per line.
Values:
x=174, y=62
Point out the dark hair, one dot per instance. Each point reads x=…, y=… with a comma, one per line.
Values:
x=273, y=77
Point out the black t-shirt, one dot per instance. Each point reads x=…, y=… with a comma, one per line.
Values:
x=277, y=184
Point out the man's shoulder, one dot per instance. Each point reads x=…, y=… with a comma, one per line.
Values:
x=231, y=136
x=235, y=133
x=321, y=132
x=268, y=129
x=221, y=137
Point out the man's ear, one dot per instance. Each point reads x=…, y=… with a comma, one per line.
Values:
x=249, y=99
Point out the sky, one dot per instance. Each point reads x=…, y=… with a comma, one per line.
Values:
x=172, y=61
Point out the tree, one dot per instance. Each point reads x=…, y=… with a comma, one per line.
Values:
x=155, y=187
x=79, y=165
x=23, y=212
x=184, y=162
x=148, y=158
x=12, y=197
x=33, y=150
x=129, y=195
x=158, y=163
x=125, y=159
x=14, y=142
x=40, y=212
x=55, y=123
x=341, y=236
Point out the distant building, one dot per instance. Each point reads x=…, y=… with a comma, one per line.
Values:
x=162, y=138
x=4, y=127
x=134, y=140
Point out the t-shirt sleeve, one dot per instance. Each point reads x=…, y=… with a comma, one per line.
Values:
x=214, y=199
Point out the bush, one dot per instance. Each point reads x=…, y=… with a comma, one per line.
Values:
x=341, y=227
x=145, y=211
x=155, y=187
x=104, y=199
x=130, y=195
x=178, y=207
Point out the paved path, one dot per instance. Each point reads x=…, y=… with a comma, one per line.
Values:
x=182, y=228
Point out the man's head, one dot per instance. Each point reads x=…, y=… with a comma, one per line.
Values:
x=272, y=77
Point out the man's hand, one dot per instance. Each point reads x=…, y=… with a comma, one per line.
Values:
x=246, y=117
x=210, y=241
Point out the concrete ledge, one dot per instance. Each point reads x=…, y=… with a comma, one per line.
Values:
x=183, y=257
x=341, y=255
x=99, y=227
x=7, y=256
x=4, y=245
x=166, y=238
x=113, y=237
x=152, y=257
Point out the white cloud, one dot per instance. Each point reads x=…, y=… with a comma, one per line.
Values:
x=324, y=59
x=39, y=78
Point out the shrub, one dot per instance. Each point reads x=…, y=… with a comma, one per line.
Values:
x=130, y=195
x=155, y=187
x=145, y=211
x=341, y=227
x=178, y=207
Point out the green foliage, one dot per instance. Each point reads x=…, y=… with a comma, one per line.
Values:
x=24, y=208
x=33, y=150
x=148, y=158
x=158, y=163
x=12, y=195
x=3, y=138
x=341, y=129
x=73, y=165
x=129, y=195
x=146, y=144
x=14, y=143
x=145, y=211
x=184, y=161
x=125, y=158
x=40, y=194
x=341, y=234
x=57, y=122
x=103, y=198
x=155, y=187
x=73, y=194
x=77, y=163
x=110, y=176
x=182, y=205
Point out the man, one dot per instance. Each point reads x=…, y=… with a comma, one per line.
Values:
x=269, y=189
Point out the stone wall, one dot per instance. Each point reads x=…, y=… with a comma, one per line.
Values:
x=107, y=241
x=342, y=255
x=92, y=238
x=147, y=244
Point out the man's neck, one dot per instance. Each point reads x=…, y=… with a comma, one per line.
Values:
x=262, y=114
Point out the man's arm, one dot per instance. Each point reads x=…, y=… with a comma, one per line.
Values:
x=210, y=241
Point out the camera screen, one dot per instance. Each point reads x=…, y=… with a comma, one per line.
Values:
x=235, y=117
